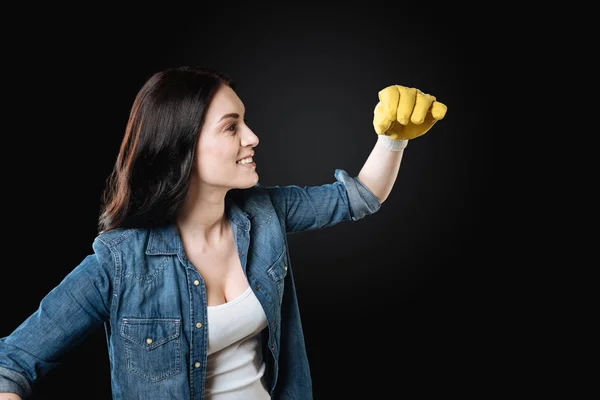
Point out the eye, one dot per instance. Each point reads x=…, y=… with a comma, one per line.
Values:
x=234, y=125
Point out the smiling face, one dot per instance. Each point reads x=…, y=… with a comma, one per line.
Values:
x=224, y=140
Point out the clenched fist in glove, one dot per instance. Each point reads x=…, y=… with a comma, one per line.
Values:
x=406, y=113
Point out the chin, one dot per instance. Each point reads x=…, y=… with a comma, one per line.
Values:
x=254, y=182
x=249, y=184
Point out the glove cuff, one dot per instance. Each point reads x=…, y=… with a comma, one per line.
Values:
x=392, y=144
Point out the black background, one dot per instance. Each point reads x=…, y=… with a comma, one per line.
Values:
x=394, y=305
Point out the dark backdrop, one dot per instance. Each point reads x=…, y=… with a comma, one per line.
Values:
x=392, y=305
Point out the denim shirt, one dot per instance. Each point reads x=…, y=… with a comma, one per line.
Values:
x=140, y=287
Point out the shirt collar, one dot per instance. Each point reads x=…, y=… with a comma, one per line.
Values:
x=165, y=240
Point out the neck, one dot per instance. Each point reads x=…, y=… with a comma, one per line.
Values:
x=202, y=218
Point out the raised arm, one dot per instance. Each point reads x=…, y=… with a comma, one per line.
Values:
x=402, y=114
x=316, y=207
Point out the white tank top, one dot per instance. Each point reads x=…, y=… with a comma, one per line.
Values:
x=235, y=363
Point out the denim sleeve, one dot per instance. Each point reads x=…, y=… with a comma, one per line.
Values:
x=314, y=207
x=79, y=304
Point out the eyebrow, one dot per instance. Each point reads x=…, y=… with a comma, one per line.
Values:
x=230, y=115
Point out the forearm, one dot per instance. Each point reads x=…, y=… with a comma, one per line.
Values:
x=380, y=171
x=9, y=396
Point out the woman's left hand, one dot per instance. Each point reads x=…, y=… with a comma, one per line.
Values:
x=406, y=113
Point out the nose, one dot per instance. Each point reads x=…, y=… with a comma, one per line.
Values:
x=249, y=138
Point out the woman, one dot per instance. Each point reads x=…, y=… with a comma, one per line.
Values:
x=190, y=274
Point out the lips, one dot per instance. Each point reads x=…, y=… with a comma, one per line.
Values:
x=246, y=156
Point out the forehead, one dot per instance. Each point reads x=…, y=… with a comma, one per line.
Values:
x=224, y=101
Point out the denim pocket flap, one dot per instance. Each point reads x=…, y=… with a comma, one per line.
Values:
x=150, y=333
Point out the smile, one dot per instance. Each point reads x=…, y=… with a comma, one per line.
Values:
x=245, y=161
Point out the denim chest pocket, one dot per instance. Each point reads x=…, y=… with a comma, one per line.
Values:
x=152, y=346
x=278, y=272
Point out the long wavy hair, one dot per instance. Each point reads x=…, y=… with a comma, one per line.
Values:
x=150, y=177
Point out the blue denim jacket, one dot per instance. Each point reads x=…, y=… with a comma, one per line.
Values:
x=139, y=285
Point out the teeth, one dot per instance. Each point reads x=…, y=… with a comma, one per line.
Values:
x=245, y=160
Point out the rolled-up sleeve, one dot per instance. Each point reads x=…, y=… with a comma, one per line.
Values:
x=361, y=200
x=14, y=382
x=65, y=317
x=314, y=207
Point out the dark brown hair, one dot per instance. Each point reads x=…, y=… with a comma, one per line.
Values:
x=150, y=177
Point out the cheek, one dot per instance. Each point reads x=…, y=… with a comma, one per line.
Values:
x=214, y=160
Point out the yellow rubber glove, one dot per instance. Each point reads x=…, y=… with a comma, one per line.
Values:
x=406, y=113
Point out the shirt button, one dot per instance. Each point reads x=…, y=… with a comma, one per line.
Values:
x=197, y=364
x=196, y=282
x=149, y=340
x=285, y=267
x=199, y=325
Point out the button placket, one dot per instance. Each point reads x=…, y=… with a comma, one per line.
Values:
x=198, y=324
x=197, y=364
